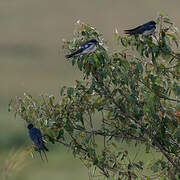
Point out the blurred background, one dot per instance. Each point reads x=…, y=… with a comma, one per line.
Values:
x=32, y=60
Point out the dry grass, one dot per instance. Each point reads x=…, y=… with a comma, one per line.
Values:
x=15, y=161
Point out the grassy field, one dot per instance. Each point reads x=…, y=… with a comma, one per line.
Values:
x=31, y=60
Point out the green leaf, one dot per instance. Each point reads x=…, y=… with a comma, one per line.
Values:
x=79, y=117
x=176, y=89
x=140, y=67
x=69, y=127
x=51, y=100
x=137, y=166
x=62, y=90
x=178, y=107
x=87, y=138
x=96, y=58
x=73, y=61
x=124, y=42
x=91, y=153
x=80, y=65
x=80, y=127
x=131, y=99
x=50, y=133
x=155, y=167
x=147, y=148
x=140, y=49
x=70, y=91
x=61, y=134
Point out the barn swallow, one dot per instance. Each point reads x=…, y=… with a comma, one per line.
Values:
x=87, y=47
x=36, y=136
x=145, y=29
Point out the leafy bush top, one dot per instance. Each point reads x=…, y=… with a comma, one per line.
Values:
x=130, y=95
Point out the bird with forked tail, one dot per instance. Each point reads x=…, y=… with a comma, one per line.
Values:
x=145, y=29
x=36, y=136
x=86, y=48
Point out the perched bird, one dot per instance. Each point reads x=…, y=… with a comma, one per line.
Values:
x=85, y=48
x=145, y=29
x=36, y=137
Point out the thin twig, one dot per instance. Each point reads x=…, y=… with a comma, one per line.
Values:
x=92, y=129
x=104, y=137
x=176, y=100
x=65, y=144
x=171, y=174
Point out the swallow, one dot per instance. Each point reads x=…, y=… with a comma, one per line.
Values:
x=145, y=29
x=36, y=136
x=86, y=48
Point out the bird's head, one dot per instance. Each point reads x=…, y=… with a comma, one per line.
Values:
x=152, y=23
x=30, y=126
x=94, y=41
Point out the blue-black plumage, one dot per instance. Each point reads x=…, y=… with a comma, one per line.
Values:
x=36, y=136
x=145, y=29
x=87, y=47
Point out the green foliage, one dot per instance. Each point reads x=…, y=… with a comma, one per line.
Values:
x=135, y=94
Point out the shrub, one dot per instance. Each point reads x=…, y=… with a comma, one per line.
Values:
x=130, y=95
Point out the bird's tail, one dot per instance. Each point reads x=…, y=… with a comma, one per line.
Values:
x=45, y=148
x=129, y=31
x=42, y=150
x=45, y=155
x=41, y=155
x=74, y=54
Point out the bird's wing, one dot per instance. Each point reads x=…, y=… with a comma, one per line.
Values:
x=37, y=132
x=36, y=137
x=86, y=45
x=79, y=51
x=137, y=30
x=151, y=26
